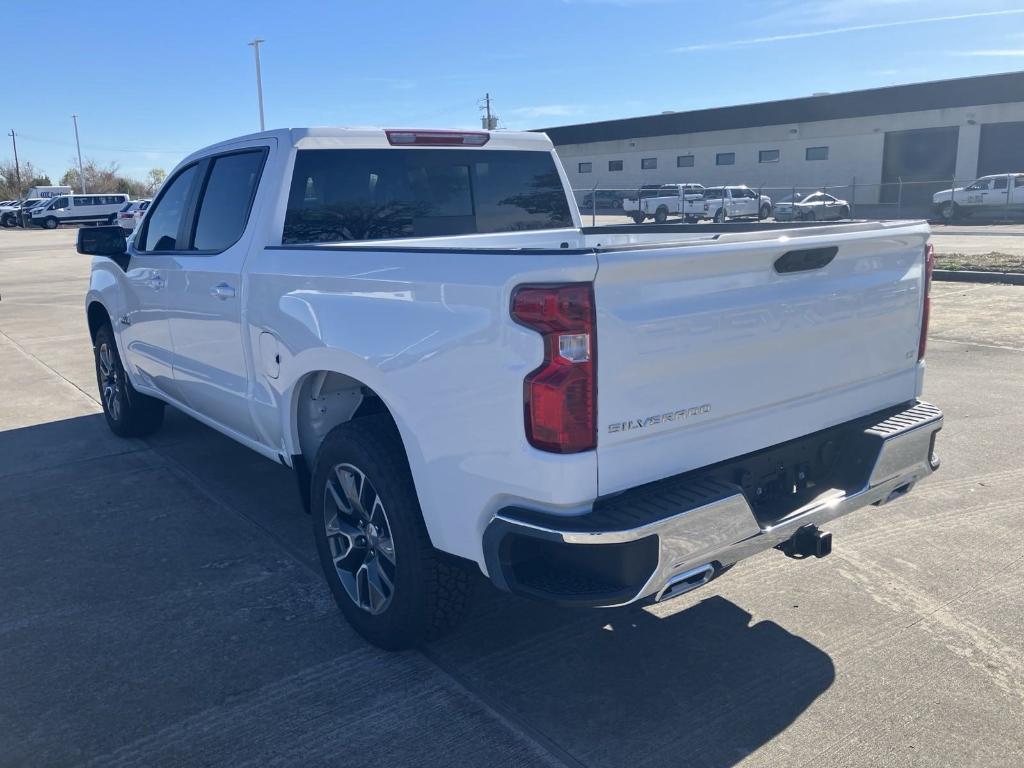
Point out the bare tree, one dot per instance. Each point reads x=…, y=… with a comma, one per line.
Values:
x=30, y=177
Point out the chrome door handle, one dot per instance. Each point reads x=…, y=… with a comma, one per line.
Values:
x=222, y=291
x=156, y=283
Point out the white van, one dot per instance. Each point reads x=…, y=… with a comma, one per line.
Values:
x=78, y=209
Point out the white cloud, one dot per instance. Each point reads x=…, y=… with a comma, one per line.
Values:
x=840, y=31
x=545, y=110
x=1007, y=53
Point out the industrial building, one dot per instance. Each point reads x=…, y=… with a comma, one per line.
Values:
x=882, y=145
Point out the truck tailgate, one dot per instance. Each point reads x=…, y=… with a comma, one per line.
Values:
x=707, y=350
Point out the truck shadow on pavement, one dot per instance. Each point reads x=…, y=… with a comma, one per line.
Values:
x=697, y=685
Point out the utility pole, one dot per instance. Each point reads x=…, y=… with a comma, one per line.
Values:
x=489, y=122
x=259, y=80
x=81, y=173
x=17, y=168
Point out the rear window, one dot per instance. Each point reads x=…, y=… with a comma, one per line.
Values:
x=372, y=194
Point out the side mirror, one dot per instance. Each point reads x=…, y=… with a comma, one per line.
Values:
x=102, y=241
x=106, y=241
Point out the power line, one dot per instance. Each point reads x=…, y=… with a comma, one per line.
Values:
x=151, y=150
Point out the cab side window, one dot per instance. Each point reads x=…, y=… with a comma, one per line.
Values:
x=163, y=223
x=224, y=210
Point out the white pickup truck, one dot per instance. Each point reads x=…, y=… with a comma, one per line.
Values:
x=995, y=194
x=464, y=378
x=658, y=202
x=723, y=203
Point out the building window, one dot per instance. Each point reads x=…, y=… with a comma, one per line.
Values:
x=648, y=163
x=586, y=167
x=816, y=153
x=725, y=158
x=768, y=156
x=614, y=165
x=684, y=161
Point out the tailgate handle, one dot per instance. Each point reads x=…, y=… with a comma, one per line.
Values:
x=805, y=260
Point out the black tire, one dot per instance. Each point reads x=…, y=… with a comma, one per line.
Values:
x=128, y=413
x=616, y=203
x=766, y=211
x=6, y=222
x=51, y=222
x=720, y=216
x=638, y=218
x=949, y=211
x=844, y=212
x=811, y=215
x=430, y=590
x=661, y=215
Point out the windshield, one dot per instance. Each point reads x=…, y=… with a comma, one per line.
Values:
x=370, y=194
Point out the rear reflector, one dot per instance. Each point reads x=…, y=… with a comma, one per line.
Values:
x=560, y=396
x=926, y=305
x=438, y=138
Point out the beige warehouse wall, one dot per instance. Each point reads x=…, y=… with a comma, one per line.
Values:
x=855, y=152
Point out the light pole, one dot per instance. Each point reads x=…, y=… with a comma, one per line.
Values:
x=259, y=80
x=81, y=173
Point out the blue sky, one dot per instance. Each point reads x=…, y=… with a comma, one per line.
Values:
x=154, y=81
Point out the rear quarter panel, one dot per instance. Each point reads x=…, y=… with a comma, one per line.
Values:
x=430, y=332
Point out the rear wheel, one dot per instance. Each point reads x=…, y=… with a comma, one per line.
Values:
x=661, y=215
x=720, y=215
x=616, y=203
x=394, y=588
x=812, y=215
x=128, y=412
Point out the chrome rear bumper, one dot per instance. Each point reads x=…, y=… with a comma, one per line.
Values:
x=646, y=542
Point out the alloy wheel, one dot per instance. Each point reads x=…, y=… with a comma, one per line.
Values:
x=110, y=382
x=359, y=535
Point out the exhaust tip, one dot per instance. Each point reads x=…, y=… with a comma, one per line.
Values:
x=686, y=582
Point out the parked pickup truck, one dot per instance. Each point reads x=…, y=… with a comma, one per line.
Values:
x=465, y=379
x=996, y=194
x=660, y=201
x=722, y=203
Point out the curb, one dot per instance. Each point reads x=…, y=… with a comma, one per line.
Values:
x=972, y=276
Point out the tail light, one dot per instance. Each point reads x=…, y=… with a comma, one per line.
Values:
x=926, y=306
x=438, y=138
x=560, y=397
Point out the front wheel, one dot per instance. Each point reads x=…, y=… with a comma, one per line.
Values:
x=661, y=215
x=638, y=218
x=766, y=211
x=720, y=215
x=50, y=222
x=949, y=210
x=844, y=212
x=616, y=203
x=394, y=588
x=128, y=412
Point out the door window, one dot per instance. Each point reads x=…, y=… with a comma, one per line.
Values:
x=1000, y=183
x=224, y=209
x=162, y=225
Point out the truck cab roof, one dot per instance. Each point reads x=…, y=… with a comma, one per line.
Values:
x=326, y=137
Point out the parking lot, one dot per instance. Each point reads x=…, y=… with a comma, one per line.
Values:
x=163, y=602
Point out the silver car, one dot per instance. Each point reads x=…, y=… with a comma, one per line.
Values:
x=814, y=206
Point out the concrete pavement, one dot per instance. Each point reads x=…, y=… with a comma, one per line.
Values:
x=163, y=604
